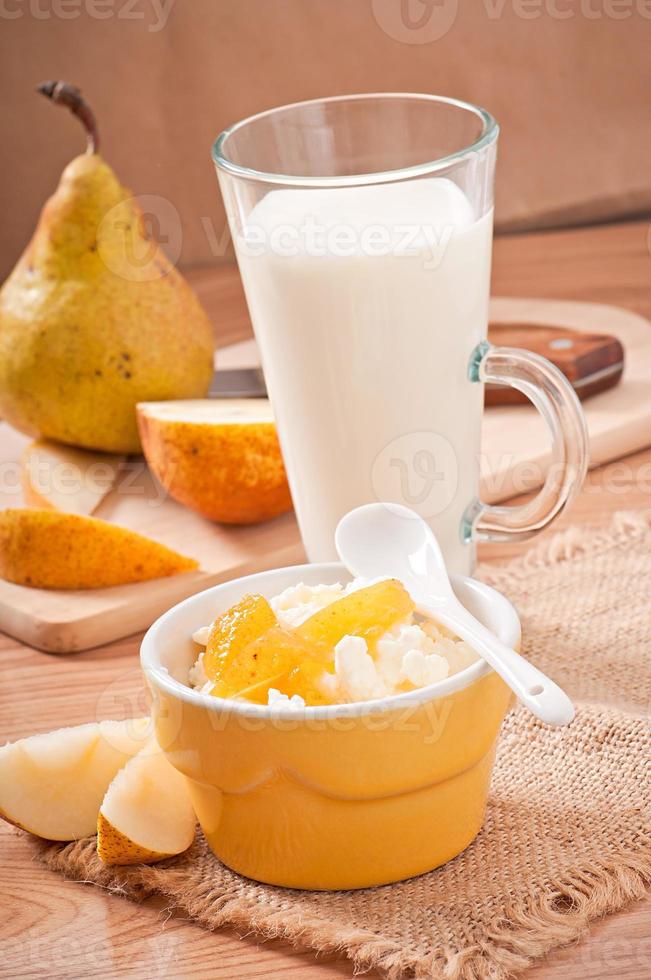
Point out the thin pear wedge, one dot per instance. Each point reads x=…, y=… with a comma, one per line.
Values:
x=146, y=815
x=52, y=785
x=45, y=549
x=59, y=477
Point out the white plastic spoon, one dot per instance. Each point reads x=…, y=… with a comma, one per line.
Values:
x=393, y=541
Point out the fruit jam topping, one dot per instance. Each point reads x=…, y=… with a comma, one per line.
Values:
x=324, y=645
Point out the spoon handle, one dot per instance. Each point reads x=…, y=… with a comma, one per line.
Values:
x=537, y=691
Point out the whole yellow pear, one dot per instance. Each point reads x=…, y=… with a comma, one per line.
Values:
x=94, y=317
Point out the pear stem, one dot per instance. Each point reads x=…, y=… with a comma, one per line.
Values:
x=63, y=93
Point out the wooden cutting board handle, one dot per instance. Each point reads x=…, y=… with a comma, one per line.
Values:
x=591, y=362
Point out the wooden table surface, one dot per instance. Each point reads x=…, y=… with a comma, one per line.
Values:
x=55, y=928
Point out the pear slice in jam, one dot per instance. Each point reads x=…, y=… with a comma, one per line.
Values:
x=234, y=630
x=367, y=612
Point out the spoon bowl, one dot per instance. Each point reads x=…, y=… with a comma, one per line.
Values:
x=389, y=540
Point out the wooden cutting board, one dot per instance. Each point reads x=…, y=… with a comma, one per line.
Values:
x=514, y=450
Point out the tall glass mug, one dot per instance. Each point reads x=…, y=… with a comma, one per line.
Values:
x=363, y=227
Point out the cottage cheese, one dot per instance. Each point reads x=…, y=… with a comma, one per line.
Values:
x=276, y=699
x=413, y=654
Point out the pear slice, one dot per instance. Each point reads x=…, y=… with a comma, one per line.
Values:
x=220, y=457
x=49, y=550
x=52, y=785
x=146, y=815
x=67, y=479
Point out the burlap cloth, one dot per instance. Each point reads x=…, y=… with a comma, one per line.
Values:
x=567, y=834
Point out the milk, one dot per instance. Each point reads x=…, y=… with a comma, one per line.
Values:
x=367, y=303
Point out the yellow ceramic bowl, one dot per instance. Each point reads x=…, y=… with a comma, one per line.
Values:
x=345, y=796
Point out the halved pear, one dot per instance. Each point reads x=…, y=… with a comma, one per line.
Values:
x=53, y=784
x=218, y=456
x=146, y=815
x=67, y=479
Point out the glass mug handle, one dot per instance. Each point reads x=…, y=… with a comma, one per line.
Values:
x=554, y=397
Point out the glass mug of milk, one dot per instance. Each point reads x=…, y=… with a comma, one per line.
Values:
x=362, y=227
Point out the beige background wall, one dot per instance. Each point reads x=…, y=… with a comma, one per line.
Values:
x=569, y=80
